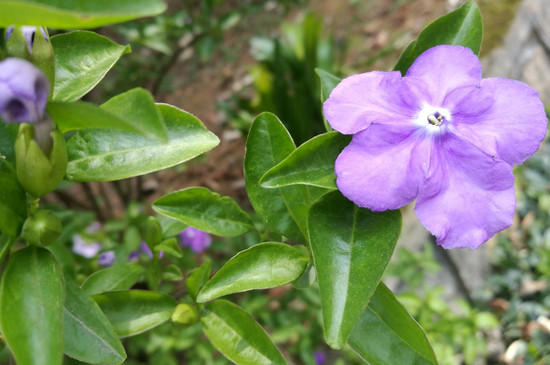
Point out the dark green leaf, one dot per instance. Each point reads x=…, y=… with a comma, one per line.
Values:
x=102, y=155
x=13, y=205
x=62, y=14
x=31, y=307
x=283, y=209
x=351, y=247
x=205, y=210
x=81, y=60
x=262, y=266
x=135, y=311
x=119, y=277
x=236, y=335
x=8, y=134
x=310, y=164
x=89, y=336
x=387, y=334
x=462, y=27
x=197, y=278
x=328, y=82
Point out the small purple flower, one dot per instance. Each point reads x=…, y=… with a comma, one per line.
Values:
x=440, y=135
x=85, y=249
x=106, y=258
x=319, y=357
x=134, y=256
x=146, y=250
x=196, y=239
x=28, y=32
x=24, y=91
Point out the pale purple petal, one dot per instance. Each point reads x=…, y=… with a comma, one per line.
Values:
x=504, y=118
x=477, y=199
x=85, y=249
x=372, y=97
x=196, y=239
x=319, y=357
x=445, y=68
x=106, y=258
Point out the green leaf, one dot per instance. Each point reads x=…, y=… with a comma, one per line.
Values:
x=265, y=265
x=237, y=336
x=283, y=209
x=351, y=247
x=119, y=277
x=31, y=307
x=387, y=334
x=82, y=59
x=13, y=205
x=205, y=210
x=310, y=164
x=170, y=246
x=328, y=82
x=89, y=337
x=104, y=155
x=135, y=311
x=62, y=14
x=8, y=134
x=197, y=278
x=172, y=273
x=462, y=27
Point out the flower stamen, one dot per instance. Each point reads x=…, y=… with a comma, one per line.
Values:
x=435, y=119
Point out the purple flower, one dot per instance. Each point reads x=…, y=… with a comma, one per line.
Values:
x=23, y=91
x=28, y=32
x=440, y=135
x=134, y=256
x=196, y=239
x=146, y=250
x=85, y=249
x=106, y=258
x=319, y=357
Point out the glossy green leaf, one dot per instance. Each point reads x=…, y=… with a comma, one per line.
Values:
x=205, y=210
x=197, y=278
x=310, y=164
x=13, y=205
x=283, y=209
x=237, y=336
x=119, y=277
x=82, y=59
x=351, y=247
x=31, y=307
x=89, y=336
x=462, y=27
x=135, y=311
x=62, y=14
x=262, y=266
x=103, y=155
x=387, y=334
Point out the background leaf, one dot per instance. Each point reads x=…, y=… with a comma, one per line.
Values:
x=351, y=247
x=82, y=59
x=31, y=307
x=200, y=208
x=462, y=27
x=62, y=14
x=387, y=334
x=119, y=277
x=262, y=266
x=103, y=155
x=135, y=311
x=236, y=335
x=197, y=278
x=89, y=337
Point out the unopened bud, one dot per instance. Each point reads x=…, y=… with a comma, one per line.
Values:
x=42, y=228
x=184, y=315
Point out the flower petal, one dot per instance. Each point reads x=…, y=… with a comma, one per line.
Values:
x=372, y=97
x=445, y=68
x=379, y=169
x=475, y=199
x=505, y=118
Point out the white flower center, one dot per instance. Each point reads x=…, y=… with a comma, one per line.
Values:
x=432, y=119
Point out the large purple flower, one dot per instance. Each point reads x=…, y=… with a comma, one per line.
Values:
x=23, y=91
x=440, y=135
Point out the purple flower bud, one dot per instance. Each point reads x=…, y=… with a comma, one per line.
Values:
x=319, y=357
x=146, y=250
x=106, y=258
x=28, y=32
x=24, y=91
x=196, y=239
x=133, y=256
x=85, y=249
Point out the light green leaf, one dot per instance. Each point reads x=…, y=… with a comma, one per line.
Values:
x=197, y=278
x=135, y=311
x=462, y=27
x=82, y=59
x=89, y=337
x=31, y=307
x=262, y=266
x=119, y=277
x=387, y=334
x=351, y=247
x=103, y=155
x=62, y=14
x=170, y=246
x=200, y=208
x=310, y=164
x=172, y=273
x=237, y=336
